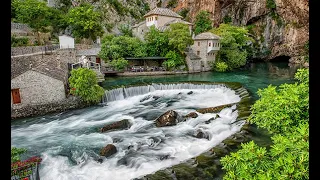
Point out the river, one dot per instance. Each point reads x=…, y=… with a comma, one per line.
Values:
x=69, y=142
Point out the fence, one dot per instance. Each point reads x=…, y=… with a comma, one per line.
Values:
x=33, y=49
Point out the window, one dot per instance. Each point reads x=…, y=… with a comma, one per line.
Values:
x=198, y=43
x=198, y=52
x=152, y=19
x=15, y=96
x=156, y=18
x=209, y=44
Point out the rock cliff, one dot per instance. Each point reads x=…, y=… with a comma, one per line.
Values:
x=281, y=27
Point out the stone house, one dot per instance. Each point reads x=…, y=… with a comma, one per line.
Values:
x=206, y=45
x=161, y=18
x=43, y=84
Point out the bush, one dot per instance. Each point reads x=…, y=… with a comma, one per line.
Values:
x=202, y=23
x=15, y=42
x=83, y=83
x=119, y=64
x=220, y=66
x=284, y=111
x=16, y=152
x=174, y=60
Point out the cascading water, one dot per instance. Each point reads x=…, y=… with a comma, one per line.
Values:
x=69, y=143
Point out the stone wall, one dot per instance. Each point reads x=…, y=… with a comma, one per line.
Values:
x=20, y=26
x=36, y=88
x=38, y=110
x=15, y=51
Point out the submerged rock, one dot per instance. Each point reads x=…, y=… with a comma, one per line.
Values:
x=202, y=134
x=156, y=97
x=169, y=118
x=191, y=115
x=190, y=92
x=100, y=160
x=109, y=150
x=123, y=124
x=214, y=109
x=145, y=98
x=211, y=119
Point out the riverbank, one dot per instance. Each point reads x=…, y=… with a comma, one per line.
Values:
x=152, y=73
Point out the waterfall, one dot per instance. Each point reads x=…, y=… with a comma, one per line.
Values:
x=122, y=93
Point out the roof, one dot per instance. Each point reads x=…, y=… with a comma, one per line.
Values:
x=177, y=21
x=163, y=28
x=89, y=52
x=192, y=56
x=162, y=12
x=53, y=72
x=139, y=24
x=206, y=35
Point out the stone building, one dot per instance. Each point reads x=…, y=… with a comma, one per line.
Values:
x=206, y=45
x=161, y=18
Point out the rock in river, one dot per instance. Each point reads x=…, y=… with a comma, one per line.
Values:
x=192, y=115
x=169, y=118
x=109, y=150
x=214, y=109
x=123, y=124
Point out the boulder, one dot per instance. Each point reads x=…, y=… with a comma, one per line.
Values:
x=192, y=115
x=214, y=109
x=169, y=118
x=211, y=119
x=109, y=150
x=190, y=92
x=123, y=124
x=202, y=134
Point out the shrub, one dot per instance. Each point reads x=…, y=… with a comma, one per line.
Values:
x=174, y=60
x=15, y=42
x=83, y=83
x=119, y=64
x=220, y=66
x=16, y=152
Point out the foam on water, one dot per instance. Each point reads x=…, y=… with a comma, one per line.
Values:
x=70, y=146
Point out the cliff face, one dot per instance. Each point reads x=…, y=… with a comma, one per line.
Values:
x=282, y=31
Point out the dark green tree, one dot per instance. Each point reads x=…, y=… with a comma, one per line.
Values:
x=203, y=22
x=179, y=36
x=156, y=42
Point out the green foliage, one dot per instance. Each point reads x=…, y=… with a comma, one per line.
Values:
x=220, y=66
x=107, y=38
x=283, y=112
x=172, y=3
x=119, y=64
x=271, y=4
x=156, y=42
x=179, y=36
x=64, y=5
x=184, y=12
x=122, y=46
x=85, y=21
x=118, y=7
x=227, y=19
x=15, y=153
x=22, y=41
x=34, y=13
x=174, y=60
x=202, y=22
x=234, y=45
x=83, y=83
x=125, y=30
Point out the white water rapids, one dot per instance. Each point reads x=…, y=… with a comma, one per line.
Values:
x=70, y=143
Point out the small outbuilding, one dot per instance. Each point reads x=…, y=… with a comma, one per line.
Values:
x=66, y=42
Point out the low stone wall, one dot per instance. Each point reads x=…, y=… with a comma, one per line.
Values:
x=152, y=73
x=38, y=110
x=31, y=49
x=20, y=26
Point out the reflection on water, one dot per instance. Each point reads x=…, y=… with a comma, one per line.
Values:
x=253, y=77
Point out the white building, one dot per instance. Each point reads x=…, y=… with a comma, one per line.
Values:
x=66, y=42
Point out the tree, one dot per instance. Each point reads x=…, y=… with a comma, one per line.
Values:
x=126, y=30
x=122, y=46
x=85, y=21
x=174, y=60
x=83, y=83
x=234, y=45
x=34, y=13
x=156, y=42
x=179, y=36
x=203, y=22
x=119, y=64
x=284, y=112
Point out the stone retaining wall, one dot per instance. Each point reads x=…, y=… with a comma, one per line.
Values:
x=38, y=110
x=20, y=26
x=31, y=49
x=152, y=73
